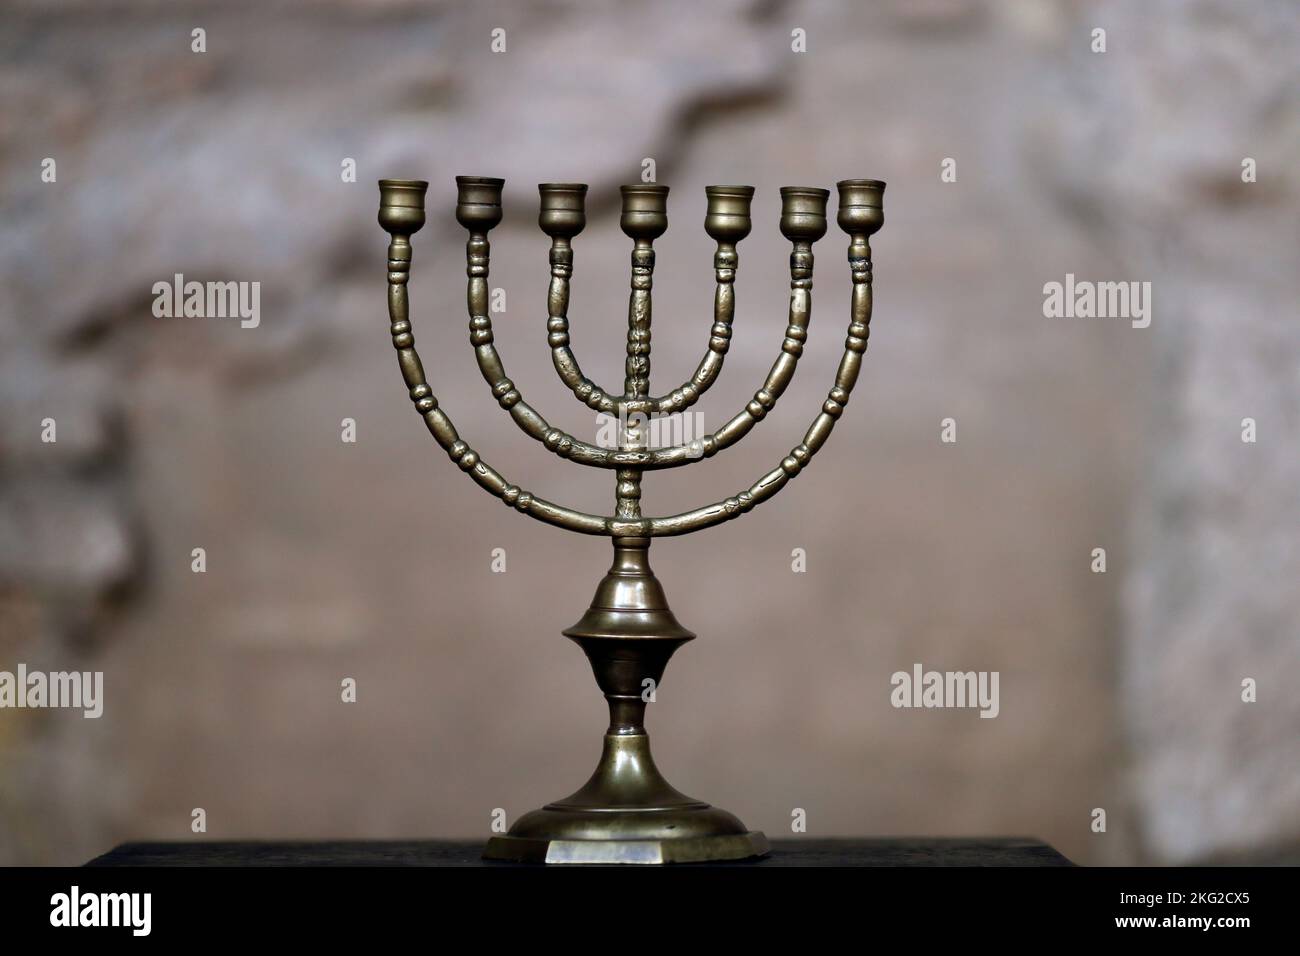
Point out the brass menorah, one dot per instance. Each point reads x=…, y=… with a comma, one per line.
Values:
x=627, y=812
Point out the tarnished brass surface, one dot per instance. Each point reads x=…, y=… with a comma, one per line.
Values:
x=627, y=812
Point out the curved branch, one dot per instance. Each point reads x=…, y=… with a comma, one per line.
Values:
x=778, y=379
x=557, y=329
x=724, y=311
x=845, y=378
x=440, y=425
x=566, y=445
x=529, y=420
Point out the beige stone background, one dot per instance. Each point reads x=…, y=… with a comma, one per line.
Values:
x=371, y=560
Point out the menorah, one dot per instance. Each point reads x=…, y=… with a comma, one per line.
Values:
x=627, y=812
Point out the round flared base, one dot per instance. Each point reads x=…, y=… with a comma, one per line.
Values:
x=627, y=813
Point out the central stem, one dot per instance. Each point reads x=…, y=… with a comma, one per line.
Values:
x=637, y=382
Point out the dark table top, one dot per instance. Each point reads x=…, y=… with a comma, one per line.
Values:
x=894, y=851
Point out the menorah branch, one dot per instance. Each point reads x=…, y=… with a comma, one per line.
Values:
x=802, y=454
x=859, y=215
x=644, y=218
x=727, y=221
x=401, y=214
x=802, y=222
x=563, y=216
x=724, y=313
x=478, y=209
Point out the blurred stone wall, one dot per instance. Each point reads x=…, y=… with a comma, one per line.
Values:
x=1211, y=598
x=372, y=559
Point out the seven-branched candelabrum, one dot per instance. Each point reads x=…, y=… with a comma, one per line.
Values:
x=627, y=812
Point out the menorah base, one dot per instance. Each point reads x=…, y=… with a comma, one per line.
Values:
x=627, y=813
